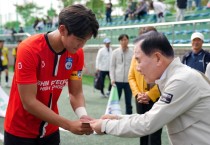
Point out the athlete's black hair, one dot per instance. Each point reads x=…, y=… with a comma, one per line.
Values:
x=79, y=21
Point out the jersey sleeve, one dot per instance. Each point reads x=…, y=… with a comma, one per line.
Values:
x=26, y=65
x=78, y=65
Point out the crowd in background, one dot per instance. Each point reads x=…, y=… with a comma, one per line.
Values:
x=137, y=9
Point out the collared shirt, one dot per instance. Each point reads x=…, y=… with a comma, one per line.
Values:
x=195, y=61
x=183, y=106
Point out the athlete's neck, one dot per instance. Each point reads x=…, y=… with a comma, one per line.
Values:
x=55, y=41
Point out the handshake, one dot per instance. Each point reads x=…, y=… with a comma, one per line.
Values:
x=89, y=125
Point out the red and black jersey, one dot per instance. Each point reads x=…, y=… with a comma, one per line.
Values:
x=38, y=63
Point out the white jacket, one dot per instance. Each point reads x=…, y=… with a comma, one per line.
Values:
x=184, y=106
x=103, y=59
x=207, y=73
x=120, y=64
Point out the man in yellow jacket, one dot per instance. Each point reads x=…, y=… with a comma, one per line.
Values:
x=145, y=95
x=5, y=62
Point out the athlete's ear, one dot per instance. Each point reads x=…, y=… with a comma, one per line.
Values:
x=62, y=29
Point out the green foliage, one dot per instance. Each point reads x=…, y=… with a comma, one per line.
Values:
x=123, y=3
x=12, y=24
x=51, y=12
x=97, y=6
x=27, y=11
x=67, y=2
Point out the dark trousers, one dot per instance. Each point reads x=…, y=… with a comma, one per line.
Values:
x=141, y=14
x=108, y=17
x=128, y=95
x=154, y=138
x=103, y=75
x=53, y=139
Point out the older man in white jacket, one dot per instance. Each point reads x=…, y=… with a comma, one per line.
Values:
x=102, y=64
x=184, y=102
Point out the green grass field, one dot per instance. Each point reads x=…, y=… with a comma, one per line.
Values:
x=95, y=107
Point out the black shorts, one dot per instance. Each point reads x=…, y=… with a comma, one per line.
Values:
x=53, y=139
x=4, y=67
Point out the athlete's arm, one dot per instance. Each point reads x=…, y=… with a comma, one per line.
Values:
x=77, y=99
x=41, y=111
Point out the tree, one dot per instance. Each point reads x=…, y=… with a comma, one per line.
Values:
x=27, y=11
x=97, y=6
x=12, y=24
x=51, y=12
x=67, y=2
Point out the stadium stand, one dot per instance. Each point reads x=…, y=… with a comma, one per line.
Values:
x=176, y=32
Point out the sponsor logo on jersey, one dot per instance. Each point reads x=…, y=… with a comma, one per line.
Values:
x=68, y=64
x=166, y=97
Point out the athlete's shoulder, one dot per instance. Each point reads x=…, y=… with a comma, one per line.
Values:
x=80, y=52
x=34, y=38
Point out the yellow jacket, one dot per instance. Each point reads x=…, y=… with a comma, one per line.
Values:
x=139, y=85
x=4, y=56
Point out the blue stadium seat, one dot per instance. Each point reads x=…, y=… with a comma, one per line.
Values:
x=204, y=30
x=176, y=41
x=207, y=41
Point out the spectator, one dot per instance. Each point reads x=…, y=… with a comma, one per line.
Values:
x=159, y=8
x=207, y=73
x=41, y=24
x=14, y=53
x=13, y=35
x=208, y=4
x=35, y=23
x=130, y=10
x=120, y=63
x=103, y=65
x=5, y=61
x=1, y=43
x=198, y=3
x=181, y=7
x=49, y=22
x=46, y=63
x=141, y=9
x=21, y=30
x=146, y=93
x=108, y=12
x=197, y=58
x=189, y=4
x=183, y=105
x=8, y=33
x=55, y=21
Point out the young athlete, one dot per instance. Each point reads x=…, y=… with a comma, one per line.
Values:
x=45, y=64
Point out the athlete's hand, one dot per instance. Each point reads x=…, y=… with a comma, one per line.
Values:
x=78, y=127
x=86, y=118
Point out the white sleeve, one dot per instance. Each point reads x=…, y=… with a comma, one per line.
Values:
x=207, y=73
x=112, y=66
x=98, y=59
x=174, y=101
